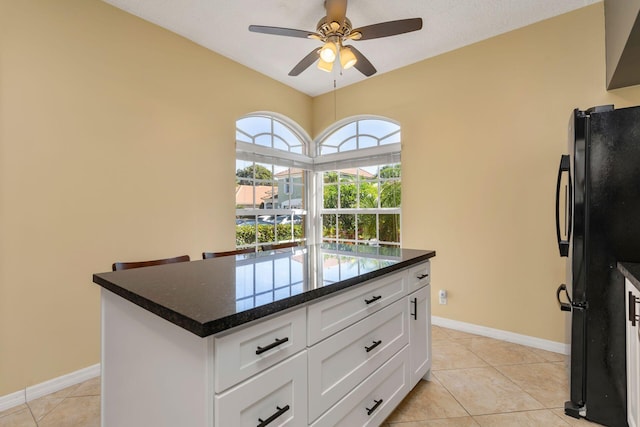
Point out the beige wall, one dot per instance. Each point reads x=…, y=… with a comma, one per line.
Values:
x=483, y=129
x=117, y=142
x=116, y=139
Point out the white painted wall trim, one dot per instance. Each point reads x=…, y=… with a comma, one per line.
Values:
x=556, y=347
x=51, y=386
x=10, y=400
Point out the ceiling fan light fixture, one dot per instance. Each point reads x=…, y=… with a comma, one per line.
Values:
x=325, y=66
x=328, y=52
x=347, y=58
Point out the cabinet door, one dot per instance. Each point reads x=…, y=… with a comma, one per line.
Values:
x=371, y=402
x=275, y=397
x=342, y=361
x=633, y=356
x=420, y=333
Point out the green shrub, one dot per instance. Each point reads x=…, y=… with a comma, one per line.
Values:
x=246, y=234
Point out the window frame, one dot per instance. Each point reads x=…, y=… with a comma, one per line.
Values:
x=275, y=158
x=314, y=165
x=360, y=159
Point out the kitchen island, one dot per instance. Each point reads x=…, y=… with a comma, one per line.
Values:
x=319, y=335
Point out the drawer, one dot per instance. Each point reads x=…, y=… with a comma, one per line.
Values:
x=336, y=313
x=342, y=361
x=277, y=397
x=245, y=352
x=374, y=399
x=419, y=276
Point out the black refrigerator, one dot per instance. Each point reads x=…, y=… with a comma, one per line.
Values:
x=597, y=225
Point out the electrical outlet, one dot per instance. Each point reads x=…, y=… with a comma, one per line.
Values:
x=442, y=295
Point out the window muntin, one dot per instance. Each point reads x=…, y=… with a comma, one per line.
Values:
x=366, y=133
x=362, y=205
x=268, y=132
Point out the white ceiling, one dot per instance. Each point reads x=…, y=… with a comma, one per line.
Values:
x=222, y=26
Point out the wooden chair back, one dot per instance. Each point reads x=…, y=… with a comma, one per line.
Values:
x=137, y=264
x=209, y=255
x=280, y=246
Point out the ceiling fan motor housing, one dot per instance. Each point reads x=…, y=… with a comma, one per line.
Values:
x=329, y=29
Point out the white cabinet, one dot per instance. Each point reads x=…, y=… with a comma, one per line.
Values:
x=342, y=361
x=347, y=385
x=346, y=359
x=633, y=354
x=420, y=333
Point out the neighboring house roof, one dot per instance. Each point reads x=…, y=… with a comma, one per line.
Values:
x=244, y=194
x=286, y=172
x=354, y=171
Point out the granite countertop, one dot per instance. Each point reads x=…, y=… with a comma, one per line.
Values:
x=209, y=296
x=631, y=271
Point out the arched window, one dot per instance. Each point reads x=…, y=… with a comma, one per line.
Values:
x=271, y=173
x=361, y=188
x=355, y=173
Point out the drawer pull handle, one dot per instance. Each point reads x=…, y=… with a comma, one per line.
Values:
x=415, y=308
x=273, y=417
x=274, y=344
x=374, y=345
x=422, y=276
x=378, y=403
x=633, y=314
x=373, y=299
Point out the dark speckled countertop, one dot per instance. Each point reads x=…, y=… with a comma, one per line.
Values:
x=210, y=296
x=631, y=271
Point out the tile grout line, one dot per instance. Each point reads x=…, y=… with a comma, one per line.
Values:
x=46, y=396
x=33, y=417
x=494, y=367
x=450, y=339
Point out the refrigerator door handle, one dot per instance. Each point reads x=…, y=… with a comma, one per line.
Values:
x=564, y=306
x=565, y=166
x=633, y=315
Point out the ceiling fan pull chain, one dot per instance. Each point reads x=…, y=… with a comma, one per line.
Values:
x=335, y=103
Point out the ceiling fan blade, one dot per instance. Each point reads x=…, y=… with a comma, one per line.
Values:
x=386, y=29
x=305, y=62
x=336, y=10
x=363, y=65
x=279, y=31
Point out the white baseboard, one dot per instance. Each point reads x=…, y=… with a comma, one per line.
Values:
x=556, y=347
x=48, y=387
x=11, y=400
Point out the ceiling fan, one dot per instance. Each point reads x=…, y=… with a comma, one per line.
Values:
x=333, y=31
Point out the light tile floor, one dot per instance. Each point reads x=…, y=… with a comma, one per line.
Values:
x=475, y=381
x=478, y=381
